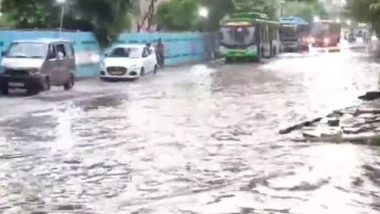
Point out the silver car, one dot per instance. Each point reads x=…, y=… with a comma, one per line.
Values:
x=35, y=65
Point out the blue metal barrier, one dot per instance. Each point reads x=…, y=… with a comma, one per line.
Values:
x=180, y=48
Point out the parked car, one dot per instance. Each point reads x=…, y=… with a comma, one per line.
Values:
x=128, y=62
x=36, y=65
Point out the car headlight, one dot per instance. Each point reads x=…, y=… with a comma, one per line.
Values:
x=135, y=67
x=326, y=40
x=34, y=70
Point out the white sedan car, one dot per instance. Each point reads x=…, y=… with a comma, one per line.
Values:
x=128, y=62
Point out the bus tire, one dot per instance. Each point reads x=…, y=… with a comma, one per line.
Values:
x=257, y=59
x=271, y=49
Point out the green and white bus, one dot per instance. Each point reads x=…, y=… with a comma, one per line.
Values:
x=250, y=36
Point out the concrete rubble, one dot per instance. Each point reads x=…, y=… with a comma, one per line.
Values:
x=359, y=124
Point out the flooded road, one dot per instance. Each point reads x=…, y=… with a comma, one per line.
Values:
x=191, y=140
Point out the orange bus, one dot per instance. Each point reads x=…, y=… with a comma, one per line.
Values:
x=325, y=33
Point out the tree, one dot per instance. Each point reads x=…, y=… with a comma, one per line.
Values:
x=216, y=12
x=178, y=15
x=305, y=9
x=183, y=14
x=30, y=13
x=361, y=10
x=366, y=11
x=269, y=7
x=106, y=18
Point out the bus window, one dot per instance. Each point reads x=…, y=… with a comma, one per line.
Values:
x=237, y=35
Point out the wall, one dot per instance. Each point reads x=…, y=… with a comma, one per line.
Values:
x=85, y=45
x=179, y=47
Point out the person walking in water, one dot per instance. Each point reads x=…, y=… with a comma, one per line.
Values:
x=160, y=52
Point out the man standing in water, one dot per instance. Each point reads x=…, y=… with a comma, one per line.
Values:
x=160, y=52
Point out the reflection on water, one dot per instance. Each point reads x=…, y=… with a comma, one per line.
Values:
x=198, y=141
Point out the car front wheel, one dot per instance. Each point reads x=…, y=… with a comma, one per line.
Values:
x=4, y=91
x=32, y=90
x=142, y=72
x=46, y=85
x=69, y=84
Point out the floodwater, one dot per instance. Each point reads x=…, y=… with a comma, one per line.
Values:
x=191, y=140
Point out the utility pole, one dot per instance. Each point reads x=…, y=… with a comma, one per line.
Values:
x=282, y=4
x=62, y=3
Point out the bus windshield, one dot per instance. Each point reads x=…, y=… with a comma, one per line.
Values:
x=237, y=35
x=320, y=30
x=288, y=32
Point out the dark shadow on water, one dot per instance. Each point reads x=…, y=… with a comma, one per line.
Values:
x=30, y=128
x=119, y=80
x=101, y=102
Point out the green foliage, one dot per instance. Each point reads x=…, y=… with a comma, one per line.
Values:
x=360, y=10
x=178, y=15
x=106, y=18
x=30, y=13
x=181, y=15
x=305, y=9
x=216, y=12
x=267, y=6
x=366, y=11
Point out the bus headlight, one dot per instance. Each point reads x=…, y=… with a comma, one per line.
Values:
x=222, y=49
x=252, y=48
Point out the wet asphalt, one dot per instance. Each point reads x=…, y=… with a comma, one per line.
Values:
x=192, y=139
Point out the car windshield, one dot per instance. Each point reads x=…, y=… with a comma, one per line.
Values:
x=128, y=52
x=27, y=50
x=237, y=35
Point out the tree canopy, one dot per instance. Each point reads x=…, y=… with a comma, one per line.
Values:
x=106, y=18
x=180, y=15
x=305, y=9
x=366, y=11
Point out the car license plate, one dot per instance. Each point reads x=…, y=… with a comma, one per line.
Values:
x=117, y=73
x=16, y=84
